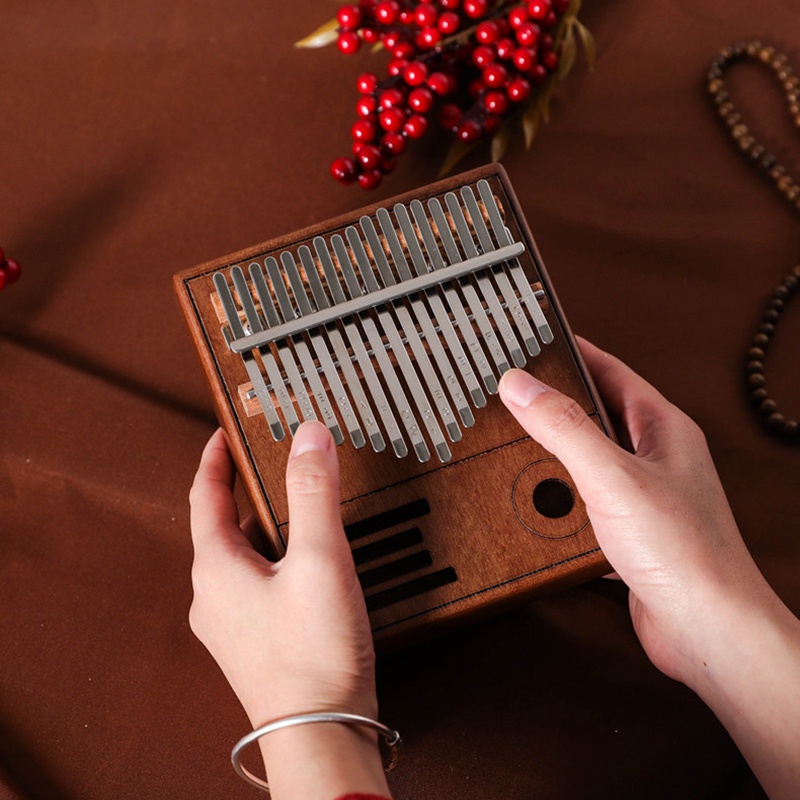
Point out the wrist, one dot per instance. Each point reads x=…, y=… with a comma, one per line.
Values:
x=323, y=760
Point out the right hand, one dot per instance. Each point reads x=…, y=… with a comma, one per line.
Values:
x=660, y=514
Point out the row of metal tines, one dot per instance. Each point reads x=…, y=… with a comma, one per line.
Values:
x=446, y=312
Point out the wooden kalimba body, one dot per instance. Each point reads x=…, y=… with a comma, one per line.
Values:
x=393, y=325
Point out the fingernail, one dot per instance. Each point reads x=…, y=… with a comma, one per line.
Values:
x=310, y=436
x=520, y=388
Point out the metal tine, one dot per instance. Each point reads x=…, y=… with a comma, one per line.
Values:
x=253, y=372
x=354, y=337
x=484, y=283
x=323, y=354
x=503, y=238
x=510, y=296
x=471, y=296
x=340, y=351
x=449, y=372
x=273, y=370
x=274, y=373
x=403, y=361
x=379, y=350
x=456, y=306
x=423, y=317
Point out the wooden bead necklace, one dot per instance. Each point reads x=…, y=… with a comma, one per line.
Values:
x=758, y=155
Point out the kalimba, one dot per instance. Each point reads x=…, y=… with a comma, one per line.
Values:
x=393, y=325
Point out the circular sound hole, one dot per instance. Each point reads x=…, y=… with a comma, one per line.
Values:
x=553, y=498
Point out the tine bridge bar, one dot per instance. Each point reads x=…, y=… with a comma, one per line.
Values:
x=369, y=300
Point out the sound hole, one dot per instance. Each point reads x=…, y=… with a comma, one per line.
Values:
x=553, y=498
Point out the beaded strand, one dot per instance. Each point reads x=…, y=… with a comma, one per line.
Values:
x=789, y=188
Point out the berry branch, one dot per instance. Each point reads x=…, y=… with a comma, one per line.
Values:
x=476, y=65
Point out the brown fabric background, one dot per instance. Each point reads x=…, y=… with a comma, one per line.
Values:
x=142, y=138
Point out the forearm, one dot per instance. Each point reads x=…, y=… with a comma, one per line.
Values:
x=323, y=761
x=748, y=673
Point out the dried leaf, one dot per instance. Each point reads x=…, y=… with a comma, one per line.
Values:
x=567, y=59
x=499, y=143
x=322, y=36
x=588, y=43
x=543, y=100
x=530, y=124
x=456, y=152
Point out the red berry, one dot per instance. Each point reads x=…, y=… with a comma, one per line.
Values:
x=369, y=35
x=483, y=55
x=392, y=97
x=491, y=124
x=349, y=17
x=539, y=9
x=363, y=130
x=367, y=83
x=450, y=4
x=392, y=119
x=518, y=90
x=528, y=34
x=425, y=15
x=3, y=279
x=505, y=49
x=476, y=87
x=487, y=32
x=344, y=170
x=420, y=100
x=550, y=60
x=549, y=20
x=538, y=75
x=428, y=38
x=396, y=66
x=406, y=17
x=392, y=39
x=366, y=105
x=387, y=12
x=517, y=17
x=546, y=42
x=468, y=131
x=524, y=59
x=394, y=143
x=388, y=164
x=495, y=75
x=404, y=50
x=496, y=103
x=450, y=116
x=370, y=179
x=415, y=74
x=561, y=6
x=449, y=22
x=348, y=42
x=475, y=9
x=415, y=126
x=440, y=84
x=369, y=156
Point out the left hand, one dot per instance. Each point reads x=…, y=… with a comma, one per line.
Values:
x=291, y=636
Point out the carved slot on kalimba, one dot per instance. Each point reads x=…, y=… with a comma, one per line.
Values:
x=393, y=328
x=387, y=571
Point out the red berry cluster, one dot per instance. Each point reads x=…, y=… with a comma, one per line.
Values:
x=482, y=58
x=9, y=270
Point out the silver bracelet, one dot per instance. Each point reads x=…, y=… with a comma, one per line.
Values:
x=390, y=737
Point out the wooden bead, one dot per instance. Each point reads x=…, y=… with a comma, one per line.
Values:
x=755, y=354
x=761, y=340
x=790, y=428
x=767, y=328
x=772, y=315
x=756, y=380
x=759, y=395
x=754, y=367
x=776, y=419
x=768, y=406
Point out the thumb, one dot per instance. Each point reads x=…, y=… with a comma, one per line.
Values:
x=312, y=488
x=563, y=428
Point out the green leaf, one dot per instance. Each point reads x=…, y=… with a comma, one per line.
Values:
x=322, y=36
